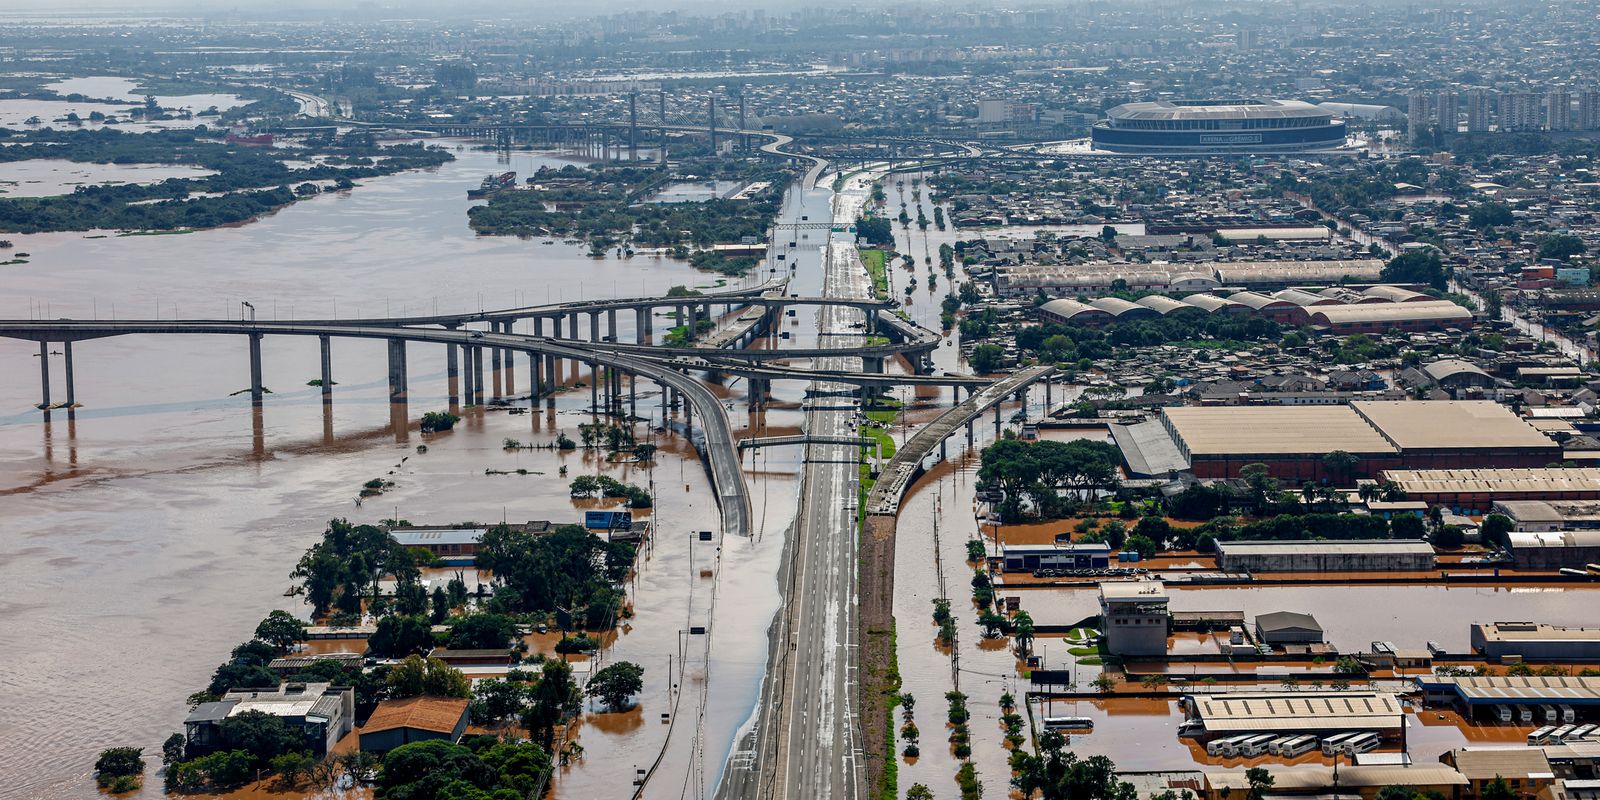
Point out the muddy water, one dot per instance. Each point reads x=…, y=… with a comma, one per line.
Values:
x=147, y=533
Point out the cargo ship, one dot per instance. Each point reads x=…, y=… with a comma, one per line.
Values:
x=493, y=184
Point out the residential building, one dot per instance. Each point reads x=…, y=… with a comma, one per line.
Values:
x=414, y=719
x=1478, y=111
x=323, y=713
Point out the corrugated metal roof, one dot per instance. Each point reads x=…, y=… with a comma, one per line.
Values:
x=1297, y=711
x=1521, y=689
x=1218, y=109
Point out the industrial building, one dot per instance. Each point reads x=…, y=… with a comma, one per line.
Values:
x=1028, y=280
x=452, y=545
x=1233, y=713
x=1551, y=515
x=1288, y=627
x=1532, y=641
x=1348, y=555
x=1478, y=696
x=1134, y=617
x=1474, y=491
x=1256, y=125
x=1382, y=435
x=1348, y=782
x=1553, y=549
x=1029, y=557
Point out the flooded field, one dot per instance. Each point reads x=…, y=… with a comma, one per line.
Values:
x=148, y=532
x=105, y=87
x=51, y=176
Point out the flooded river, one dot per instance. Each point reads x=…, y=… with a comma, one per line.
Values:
x=146, y=534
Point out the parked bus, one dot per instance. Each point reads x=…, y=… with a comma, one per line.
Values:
x=1594, y=569
x=1581, y=733
x=1333, y=744
x=1361, y=743
x=1297, y=746
x=1502, y=712
x=1559, y=735
x=1257, y=745
x=1525, y=714
x=1567, y=713
x=1059, y=723
x=1227, y=744
x=1541, y=735
x=1576, y=573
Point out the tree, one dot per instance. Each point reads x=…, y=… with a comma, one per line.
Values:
x=292, y=768
x=126, y=763
x=1262, y=485
x=400, y=636
x=1488, y=215
x=615, y=683
x=482, y=632
x=1417, y=266
x=1142, y=545
x=1260, y=781
x=262, y=735
x=1022, y=630
x=553, y=698
x=281, y=630
x=1560, y=246
x=418, y=676
x=986, y=358
x=494, y=700
x=241, y=676
x=1495, y=528
x=441, y=606
x=1497, y=789
x=1340, y=465
x=919, y=791
x=1407, y=526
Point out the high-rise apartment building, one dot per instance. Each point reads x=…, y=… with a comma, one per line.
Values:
x=1558, y=110
x=1589, y=110
x=1478, y=111
x=1447, y=112
x=1416, y=115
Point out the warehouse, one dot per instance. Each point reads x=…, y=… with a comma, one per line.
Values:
x=1551, y=515
x=1536, y=642
x=1349, y=782
x=1473, y=491
x=1290, y=440
x=1065, y=312
x=1233, y=713
x=1479, y=695
x=1453, y=373
x=1458, y=433
x=1553, y=549
x=1288, y=627
x=1347, y=320
x=1273, y=308
x=1283, y=274
x=1349, y=555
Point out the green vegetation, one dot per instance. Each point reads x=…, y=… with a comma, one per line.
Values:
x=480, y=767
x=1066, y=343
x=435, y=421
x=248, y=181
x=986, y=358
x=889, y=788
x=1034, y=475
x=607, y=486
x=1417, y=266
x=568, y=568
x=615, y=683
x=337, y=571
x=875, y=261
x=119, y=769
x=875, y=231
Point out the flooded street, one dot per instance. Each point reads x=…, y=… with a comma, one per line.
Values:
x=147, y=533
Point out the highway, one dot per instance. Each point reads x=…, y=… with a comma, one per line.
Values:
x=806, y=742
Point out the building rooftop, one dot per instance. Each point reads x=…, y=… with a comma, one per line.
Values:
x=1537, y=480
x=1302, y=779
x=1447, y=424
x=1524, y=689
x=1297, y=711
x=1252, y=430
x=437, y=714
x=1549, y=511
x=1440, y=312
x=1352, y=546
x=429, y=537
x=1253, y=108
x=1533, y=539
x=1133, y=591
x=1535, y=632
x=1286, y=620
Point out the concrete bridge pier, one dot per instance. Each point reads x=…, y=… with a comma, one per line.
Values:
x=611, y=324
x=550, y=378
x=1022, y=395
x=594, y=326
x=452, y=374
x=397, y=370
x=641, y=334
x=996, y=420
x=44, y=376
x=677, y=316
x=325, y=344
x=465, y=375
x=872, y=364
x=510, y=363
x=633, y=396
x=256, y=392
x=572, y=324
x=72, y=392
x=477, y=376
x=594, y=387
x=535, y=369
x=494, y=366
x=1049, y=402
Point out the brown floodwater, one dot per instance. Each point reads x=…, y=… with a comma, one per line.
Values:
x=146, y=534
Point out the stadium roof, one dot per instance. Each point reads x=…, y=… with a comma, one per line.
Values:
x=1445, y=424
x=1259, y=430
x=1217, y=109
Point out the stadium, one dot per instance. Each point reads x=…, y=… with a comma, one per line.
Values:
x=1218, y=126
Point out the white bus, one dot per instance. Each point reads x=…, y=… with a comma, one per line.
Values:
x=1297, y=746
x=1560, y=734
x=1541, y=735
x=1256, y=745
x=1224, y=746
x=1333, y=744
x=1567, y=714
x=1361, y=743
x=1525, y=714
x=1502, y=712
x=1580, y=733
x=1550, y=713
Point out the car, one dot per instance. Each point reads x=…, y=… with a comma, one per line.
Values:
x=476, y=335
